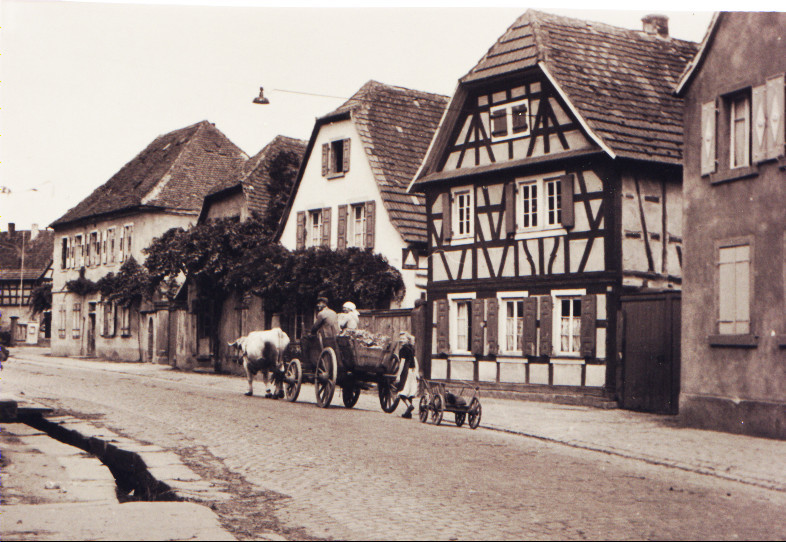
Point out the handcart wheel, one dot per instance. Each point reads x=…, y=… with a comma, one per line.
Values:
x=350, y=393
x=439, y=409
x=474, y=413
x=293, y=378
x=460, y=417
x=325, y=377
x=388, y=395
x=423, y=409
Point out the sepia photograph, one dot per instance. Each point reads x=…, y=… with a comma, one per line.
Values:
x=392, y=271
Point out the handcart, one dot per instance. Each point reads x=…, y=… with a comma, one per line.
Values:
x=437, y=399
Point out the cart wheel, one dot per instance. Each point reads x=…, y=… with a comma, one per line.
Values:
x=388, y=395
x=474, y=413
x=350, y=393
x=439, y=409
x=423, y=409
x=325, y=377
x=293, y=378
x=460, y=417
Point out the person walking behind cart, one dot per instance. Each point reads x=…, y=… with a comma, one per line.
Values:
x=349, y=317
x=326, y=322
x=409, y=373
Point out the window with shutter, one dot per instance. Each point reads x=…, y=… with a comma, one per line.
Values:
x=758, y=124
x=325, y=159
x=443, y=345
x=708, y=149
x=740, y=129
x=478, y=316
x=567, y=201
x=510, y=208
x=462, y=213
x=345, y=165
x=509, y=120
x=341, y=232
x=447, y=222
x=499, y=122
x=546, y=308
x=540, y=203
x=734, y=288
x=300, y=233
x=529, y=327
x=326, y=227
x=775, y=113
x=520, y=120
x=492, y=326
x=314, y=235
x=589, y=309
x=370, y=223
x=64, y=253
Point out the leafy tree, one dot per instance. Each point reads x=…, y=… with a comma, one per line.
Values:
x=81, y=286
x=282, y=169
x=41, y=298
x=131, y=285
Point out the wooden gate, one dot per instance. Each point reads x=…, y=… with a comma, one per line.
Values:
x=651, y=352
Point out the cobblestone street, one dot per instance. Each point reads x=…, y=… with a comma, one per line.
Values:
x=336, y=473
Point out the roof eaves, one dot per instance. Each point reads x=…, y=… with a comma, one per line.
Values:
x=589, y=131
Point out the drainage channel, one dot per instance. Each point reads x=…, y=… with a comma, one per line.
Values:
x=133, y=478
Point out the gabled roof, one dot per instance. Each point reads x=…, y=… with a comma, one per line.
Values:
x=395, y=125
x=37, y=252
x=254, y=178
x=174, y=172
x=619, y=82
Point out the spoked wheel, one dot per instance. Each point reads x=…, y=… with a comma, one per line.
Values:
x=460, y=417
x=350, y=393
x=423, y=409
x=325, y=377
x=474, y=413
x=439, y=409
x=293, y=378
x=388, y=395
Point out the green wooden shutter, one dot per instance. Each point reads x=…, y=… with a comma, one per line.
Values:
x=447, y=227
x=370, y=223
x=510, y=208
x=325, y=159
x=758, y=124
x=589, y=310
x=341, y=241
x=443, y=327
x=478, y=316
x=346, y=155
x=708, y=138
x=492, y=325
x=300, y=241
x=529, y=333
x=546, y=309
x=326, y=227
x=775, y=113
x=566, y=195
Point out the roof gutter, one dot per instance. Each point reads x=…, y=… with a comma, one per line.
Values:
x=587, y=129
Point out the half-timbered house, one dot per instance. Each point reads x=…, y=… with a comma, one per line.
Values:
x=352, y=187
x=734, y=301
x=553, y=188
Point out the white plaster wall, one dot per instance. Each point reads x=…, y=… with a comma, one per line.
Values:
x=356, y=186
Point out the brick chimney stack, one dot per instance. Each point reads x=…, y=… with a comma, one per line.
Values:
x=34, y=232
x=11, y=228
x=656, y=25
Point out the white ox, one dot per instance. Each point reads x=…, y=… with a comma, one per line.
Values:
x=261, y=351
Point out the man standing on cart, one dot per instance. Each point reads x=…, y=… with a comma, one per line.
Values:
x=326, y=322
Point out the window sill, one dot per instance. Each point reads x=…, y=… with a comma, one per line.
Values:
x=736, y=174
x=331, y=176
x=537, y=234
x=740, y=341
x=461, y=240
x=781, y=340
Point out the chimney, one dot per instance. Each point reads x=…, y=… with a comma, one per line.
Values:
x=11, y=228
x=656, y=25
x=34, y=232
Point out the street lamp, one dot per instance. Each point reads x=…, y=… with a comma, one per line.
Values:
x=261, y=100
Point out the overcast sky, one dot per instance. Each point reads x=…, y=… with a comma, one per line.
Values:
x=86, y=86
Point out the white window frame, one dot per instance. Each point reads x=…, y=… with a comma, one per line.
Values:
x=356, y=224
x=745, y=99
x=556, y=336
x=456, y=197
x=503, y=298
x=542, y=200
x=510, y=133
x=737, y=302
x=314, y=228
x=453, y=302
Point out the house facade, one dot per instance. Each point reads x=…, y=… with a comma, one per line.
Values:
x=734, y=301
x=25, y=262
x=552, y=189
x=161, y=188
x=351, y=188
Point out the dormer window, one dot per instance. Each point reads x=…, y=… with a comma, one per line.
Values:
x=335, y=158
x=509, y=120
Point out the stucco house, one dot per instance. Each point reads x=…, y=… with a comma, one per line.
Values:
x=25, y=262
x=351, y=188
x=552, y=191
x=161, y=188
x=734, y=299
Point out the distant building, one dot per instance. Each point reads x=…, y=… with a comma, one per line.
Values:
x=553, y=190
x=25, y=262
x=351, y=190
x=161, y=188
x=734, y=298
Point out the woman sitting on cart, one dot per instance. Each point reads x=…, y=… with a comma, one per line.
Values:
x=409, y=372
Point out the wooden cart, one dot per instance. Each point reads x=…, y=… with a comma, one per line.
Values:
x=346, y=362
x=438, y=399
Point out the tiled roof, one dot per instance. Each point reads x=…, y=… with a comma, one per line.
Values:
x=620, y=81
x=175, y=171
x=38, y=254
x=396, y=126
x=254, y=178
